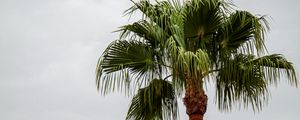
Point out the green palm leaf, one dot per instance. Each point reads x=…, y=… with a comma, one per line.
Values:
x=244, y=78
x=274, y=66
x=151, y=33
x=158, y=13
x=243, y=30
x=121, y=59
x=202, y=17
x=240, y=83
x=154, y=102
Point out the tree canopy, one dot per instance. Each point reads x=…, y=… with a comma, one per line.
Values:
x=205, y=40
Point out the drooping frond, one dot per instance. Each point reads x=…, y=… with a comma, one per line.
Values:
x=243, y=31
x=172, y=46
x=154, y=102
x=192, y=64
x=188, y=64
x=274, y=66
x=239, y=83
x=176, y=39
x=121, y=59
x=244, y=79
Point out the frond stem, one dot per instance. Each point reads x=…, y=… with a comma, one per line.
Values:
x=167, y=77
x=163, y=65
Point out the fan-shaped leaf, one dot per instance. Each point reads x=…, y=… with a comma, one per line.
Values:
x=154, y=102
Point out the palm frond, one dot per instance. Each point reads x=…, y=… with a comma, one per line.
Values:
x=244, y=79
x=158, y=13
x=239, y=83
x=188, y=64
x=154, y=102
x=151, y=33
x=176, y=28
x=274, y=66
x=202, y=17
x=120, y=59
x=243, y=31
x=193, y=64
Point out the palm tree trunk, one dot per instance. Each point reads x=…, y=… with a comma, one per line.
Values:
x=195, y=100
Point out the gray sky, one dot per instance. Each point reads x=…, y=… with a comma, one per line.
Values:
x=49, y=50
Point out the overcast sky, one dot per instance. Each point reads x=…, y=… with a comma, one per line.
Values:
x=49, y=50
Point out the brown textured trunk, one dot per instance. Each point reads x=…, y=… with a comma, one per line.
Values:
x=195, y=100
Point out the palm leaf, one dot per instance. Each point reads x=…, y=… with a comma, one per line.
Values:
x=246, y=78
x=245, y=31
x=158, y=13
x=274, y=66
x=121, y=59
x=151, y=33
x=154, y=102
x=201, y=17
x=240, y=84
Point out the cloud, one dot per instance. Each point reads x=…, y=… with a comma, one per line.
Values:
x=49, y=50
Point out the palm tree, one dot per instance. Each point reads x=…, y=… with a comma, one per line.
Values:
x=179, y=46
